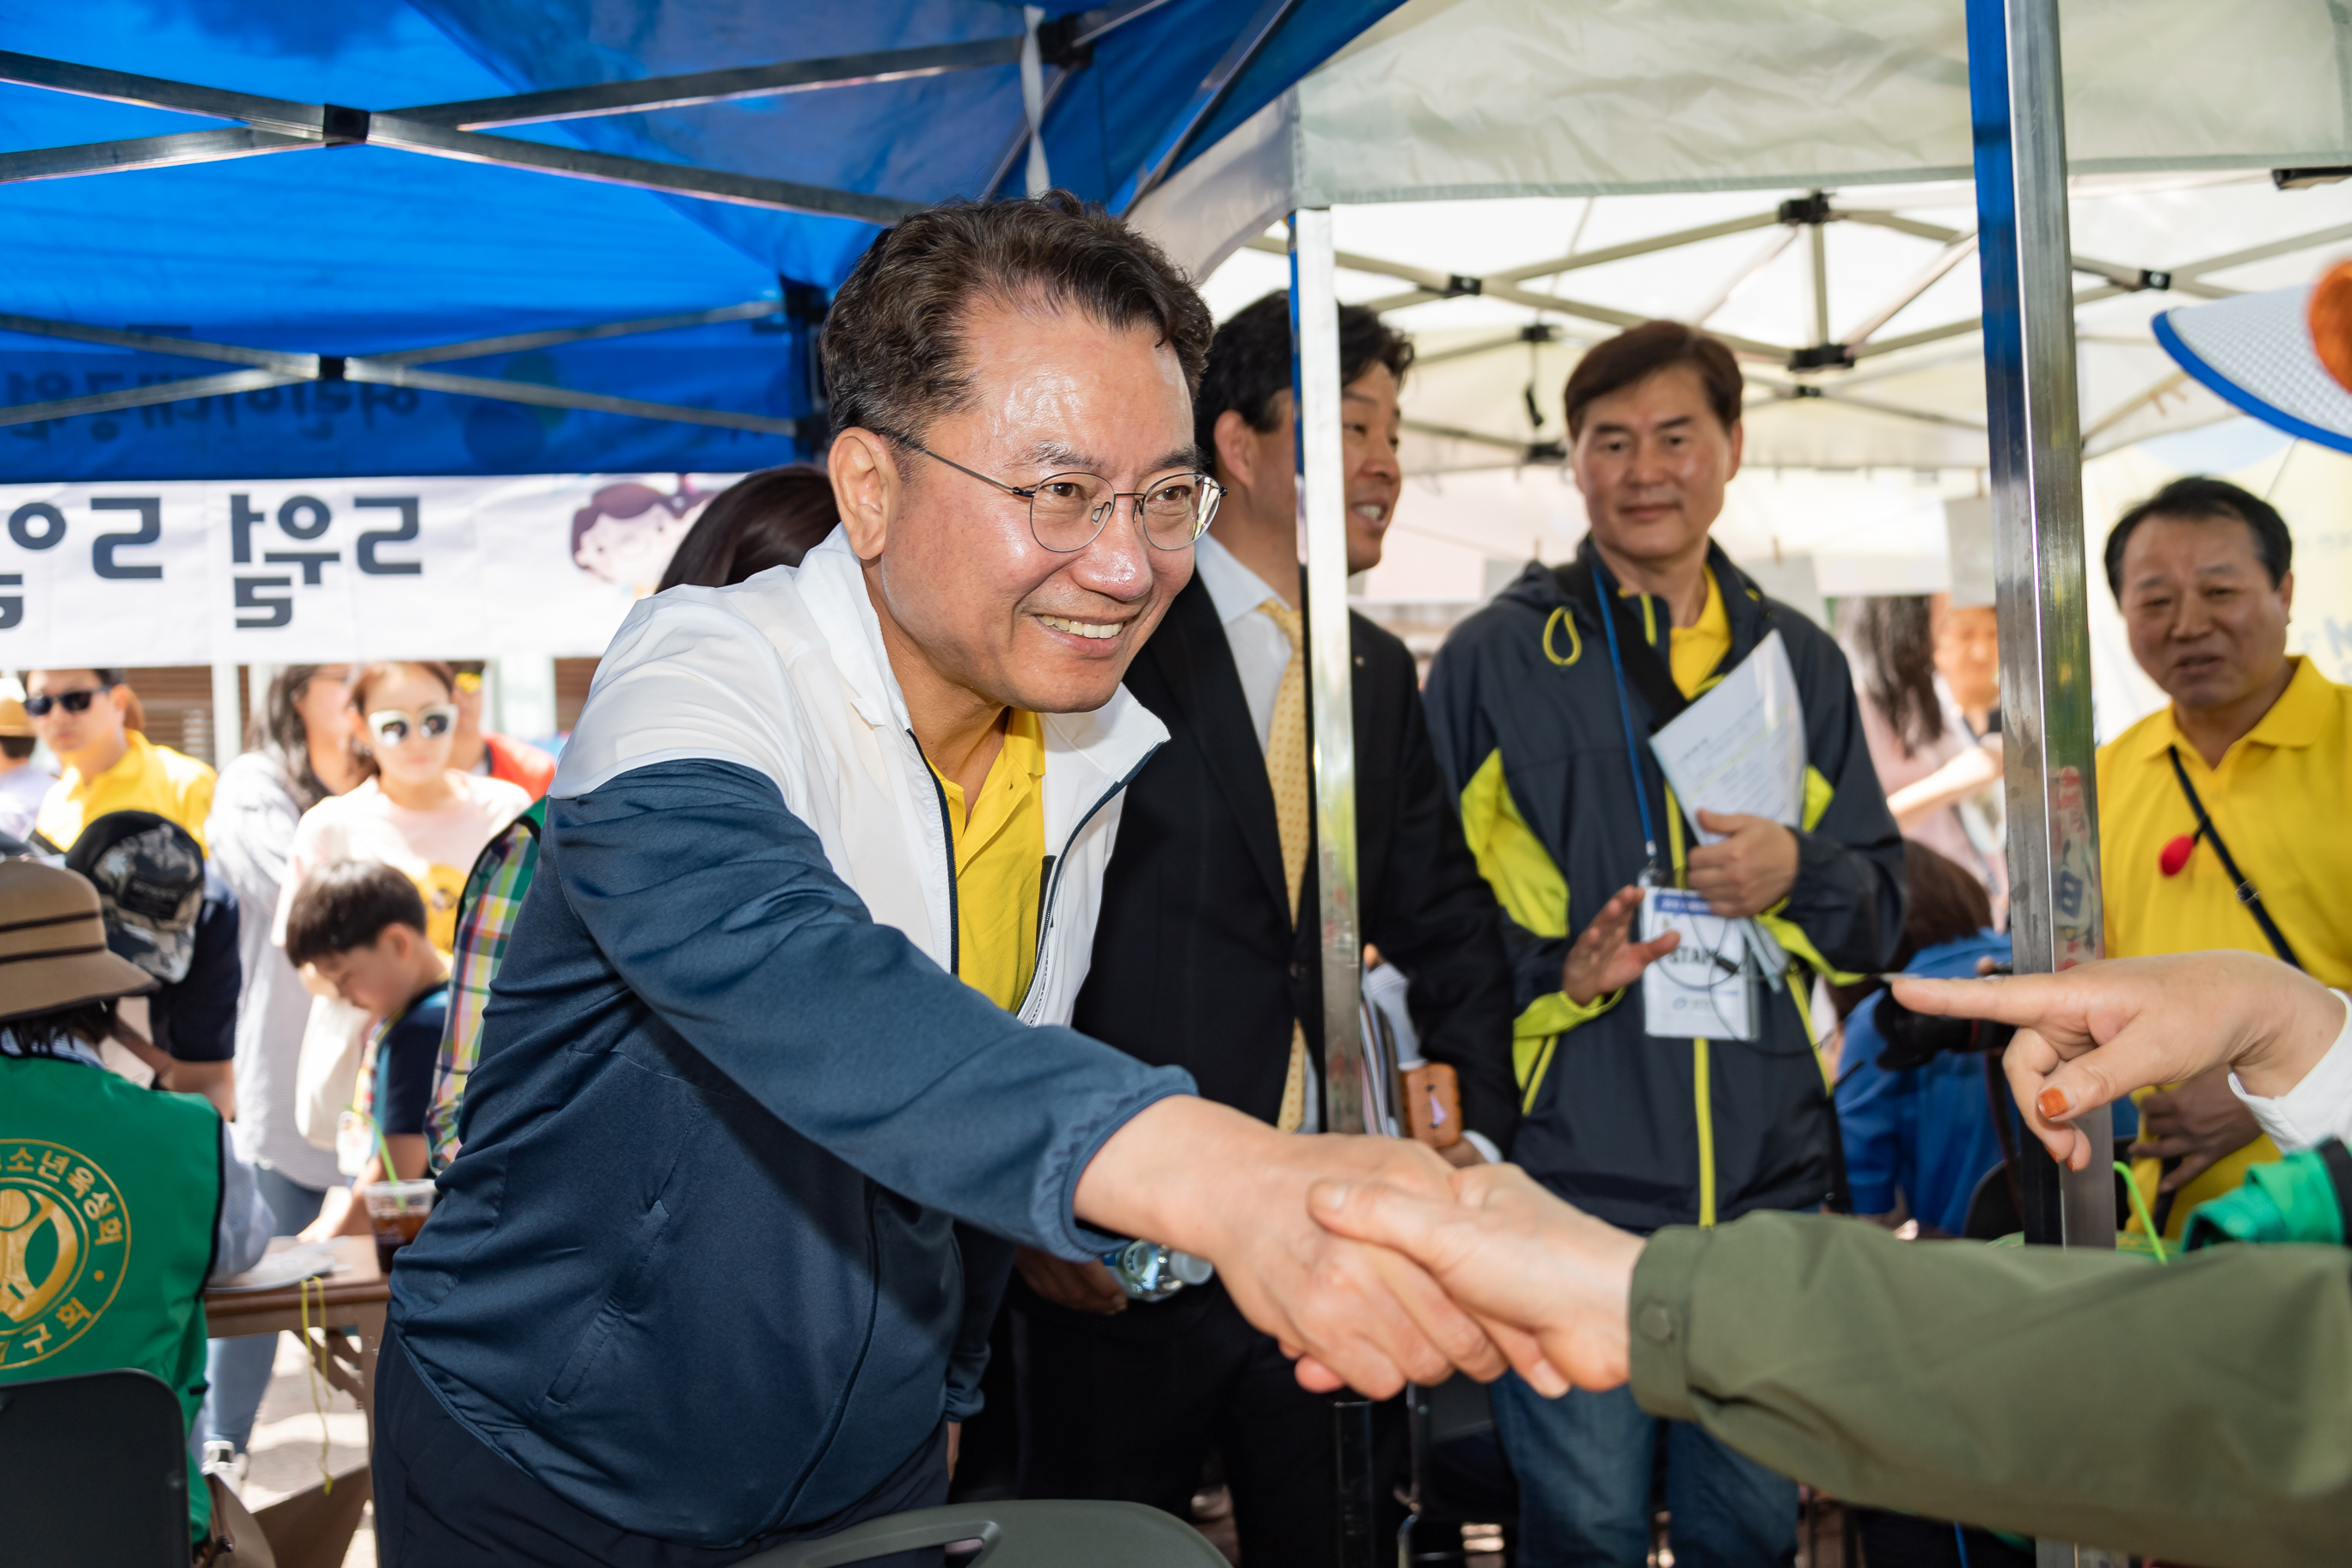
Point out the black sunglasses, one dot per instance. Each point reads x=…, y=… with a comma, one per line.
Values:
x=71, y=701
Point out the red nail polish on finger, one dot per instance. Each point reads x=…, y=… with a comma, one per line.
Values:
x=2052, y=1102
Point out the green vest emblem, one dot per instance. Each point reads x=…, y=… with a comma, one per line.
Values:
x=65, y=1243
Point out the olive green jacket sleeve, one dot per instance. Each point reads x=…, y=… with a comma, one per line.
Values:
x=2202, y=1410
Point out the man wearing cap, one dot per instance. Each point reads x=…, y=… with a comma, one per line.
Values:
x=175, y=918
x=108, y=766
x=22, y=781
x=2216, y=812
x=88, y=1161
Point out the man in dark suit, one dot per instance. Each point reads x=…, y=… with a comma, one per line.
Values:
x=1200, y=960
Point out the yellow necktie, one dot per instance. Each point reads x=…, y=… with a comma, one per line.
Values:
x=1286, y=770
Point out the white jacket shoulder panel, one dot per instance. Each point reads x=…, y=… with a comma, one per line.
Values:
x=786, y=675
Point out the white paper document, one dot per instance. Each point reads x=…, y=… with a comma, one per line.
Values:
x=1740, y=748
x=1701, y=989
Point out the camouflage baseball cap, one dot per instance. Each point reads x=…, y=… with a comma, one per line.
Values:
x=149, y=876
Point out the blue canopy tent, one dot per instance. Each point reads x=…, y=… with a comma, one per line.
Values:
x=238, y=248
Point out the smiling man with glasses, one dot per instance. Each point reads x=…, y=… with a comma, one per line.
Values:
x=107, y=766
x=778, y=1049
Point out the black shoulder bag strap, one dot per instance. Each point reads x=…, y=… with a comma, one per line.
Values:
x=1645, y=668
x=2248, y=894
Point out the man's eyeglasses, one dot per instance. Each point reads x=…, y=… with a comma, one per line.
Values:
x=71, y=701
x=392, y=727
x=1068, y=511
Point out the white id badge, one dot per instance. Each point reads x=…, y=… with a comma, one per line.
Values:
x=1701, y=989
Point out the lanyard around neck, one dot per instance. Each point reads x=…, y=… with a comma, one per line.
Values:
x=1608, y=586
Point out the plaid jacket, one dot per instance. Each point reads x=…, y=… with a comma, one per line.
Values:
x=486, y=918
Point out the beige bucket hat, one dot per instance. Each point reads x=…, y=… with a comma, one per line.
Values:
x=14, y=719
x=53, y=951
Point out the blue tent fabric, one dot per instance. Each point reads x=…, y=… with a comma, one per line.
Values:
x=356, y=250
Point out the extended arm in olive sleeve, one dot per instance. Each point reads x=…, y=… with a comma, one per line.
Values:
x=2202, y=1410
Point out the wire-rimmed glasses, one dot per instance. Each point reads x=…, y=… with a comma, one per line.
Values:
x=1068, y=511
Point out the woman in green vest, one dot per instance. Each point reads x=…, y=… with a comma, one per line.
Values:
x=89, y=1162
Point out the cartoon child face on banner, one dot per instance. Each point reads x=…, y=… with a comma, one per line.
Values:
x=628, y=531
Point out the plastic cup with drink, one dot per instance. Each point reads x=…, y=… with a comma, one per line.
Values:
x=397, y=1210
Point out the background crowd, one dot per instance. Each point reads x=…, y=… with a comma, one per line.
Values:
x=315, y=930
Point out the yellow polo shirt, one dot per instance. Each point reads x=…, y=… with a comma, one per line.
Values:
x=2279, y=799
x=149, y=777
x=1694, y=651
x=1000, y=861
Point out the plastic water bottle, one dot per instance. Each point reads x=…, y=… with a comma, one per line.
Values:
x=1149, y=1271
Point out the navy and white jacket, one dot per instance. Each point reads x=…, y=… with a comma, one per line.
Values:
x=698, y=1267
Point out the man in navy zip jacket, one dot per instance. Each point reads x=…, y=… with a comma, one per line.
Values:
x=696, y=1282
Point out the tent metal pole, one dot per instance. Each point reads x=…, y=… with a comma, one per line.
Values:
x=1821, y=258
x=2018, y=107
x=1748, y=269
x=145, y=153
x=2133, y=404
x=302, y=366
x=275, y=367
x=1834, y=393
x=306, y=121
x=228, y=385
x=1633, y=247
x=2131, y=279
x=560, y=397
x=1952, y=254
x=297, y=366
x=649, y=93
x=2196, y=270
x=1973, y=324
x=1323, y=533
x=640, y=173
x=384, y=375
x=519, y=343
x=334, y=125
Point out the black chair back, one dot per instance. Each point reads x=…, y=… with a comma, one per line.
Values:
x=1014, y=1535
x=93, y=1469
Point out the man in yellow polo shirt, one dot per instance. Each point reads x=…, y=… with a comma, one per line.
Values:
x=2221, y=815
x=1000, y=862
x=999, y=837
x=107, y=766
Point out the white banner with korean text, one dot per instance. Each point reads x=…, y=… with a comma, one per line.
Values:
x=287, y=572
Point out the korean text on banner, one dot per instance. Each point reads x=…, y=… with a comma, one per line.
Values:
x=303, y=571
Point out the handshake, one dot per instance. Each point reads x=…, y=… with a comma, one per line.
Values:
x=1373, y=1262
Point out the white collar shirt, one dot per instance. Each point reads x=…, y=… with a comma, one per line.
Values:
x=1261, y=649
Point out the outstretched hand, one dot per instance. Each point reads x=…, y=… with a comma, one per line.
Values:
x=1524, y=1262
x=1606, y=958
x=2095, y=1034
x=1221, y=1186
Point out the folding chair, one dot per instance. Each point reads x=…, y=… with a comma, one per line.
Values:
x=96, y=1471
x=1459, y=1474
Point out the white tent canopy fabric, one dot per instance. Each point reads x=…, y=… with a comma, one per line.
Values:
x=1505, y=176
x=1457, y=137
x=1454, y=99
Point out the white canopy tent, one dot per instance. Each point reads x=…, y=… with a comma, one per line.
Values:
x=1452, y=99
x=1850, y=113
x=1515, y=179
